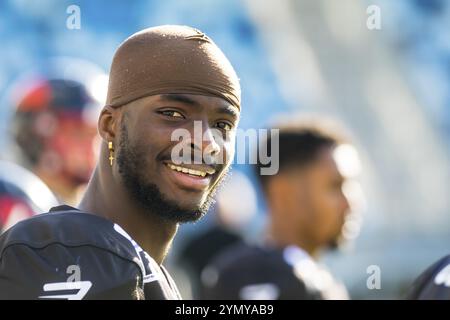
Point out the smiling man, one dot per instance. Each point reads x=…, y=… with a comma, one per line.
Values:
x=163, y=80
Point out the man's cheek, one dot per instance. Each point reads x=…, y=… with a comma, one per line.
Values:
x=227, y=152
x=226, y=143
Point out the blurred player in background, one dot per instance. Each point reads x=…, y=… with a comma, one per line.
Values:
x=54, y=123
x=307, y=212
x=22, y=194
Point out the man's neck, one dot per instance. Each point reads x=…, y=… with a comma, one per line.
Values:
x=278, y=237
x=106, y=198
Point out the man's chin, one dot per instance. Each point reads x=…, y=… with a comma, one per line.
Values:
x=188, y=217
x=78, y=182
x=336, y=243
x=192, y=213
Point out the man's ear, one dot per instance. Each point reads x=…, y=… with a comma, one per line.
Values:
x=108, y=123
x=277, y=187
x=285, y=191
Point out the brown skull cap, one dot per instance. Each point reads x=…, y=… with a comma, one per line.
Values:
x=170, y=59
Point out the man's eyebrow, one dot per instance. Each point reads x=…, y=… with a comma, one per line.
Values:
x=178, y=98
x=229, y=110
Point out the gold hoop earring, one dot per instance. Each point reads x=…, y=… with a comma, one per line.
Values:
x=111, y=152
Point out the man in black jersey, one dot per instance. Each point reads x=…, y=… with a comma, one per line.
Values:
x=163, y=81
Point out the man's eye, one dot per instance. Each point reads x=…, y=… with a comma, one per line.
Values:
x=172, y=113
x=224, y=125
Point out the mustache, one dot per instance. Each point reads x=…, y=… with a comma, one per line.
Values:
x=211, y=161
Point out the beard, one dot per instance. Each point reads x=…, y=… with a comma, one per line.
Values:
x=147, y=194
x=337, y=242
x=334, y=244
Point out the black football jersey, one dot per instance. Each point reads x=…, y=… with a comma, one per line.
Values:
x=433, y=283
x=244, y=272
x=69, y=254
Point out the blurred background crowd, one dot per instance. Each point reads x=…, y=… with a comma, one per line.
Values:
x=388, y=86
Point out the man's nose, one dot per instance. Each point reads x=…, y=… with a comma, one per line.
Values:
x=210, y=143
x=205, y=140
x=345, y=203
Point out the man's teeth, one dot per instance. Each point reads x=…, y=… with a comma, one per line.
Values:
x=186, y=170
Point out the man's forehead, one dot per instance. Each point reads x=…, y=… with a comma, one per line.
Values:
x=324, y=165
x=195, y=99
x=218, y=104
x=326, y=159
x=347, y=160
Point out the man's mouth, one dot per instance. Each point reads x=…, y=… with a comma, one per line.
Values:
x=196, y=177
x=193, y=172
